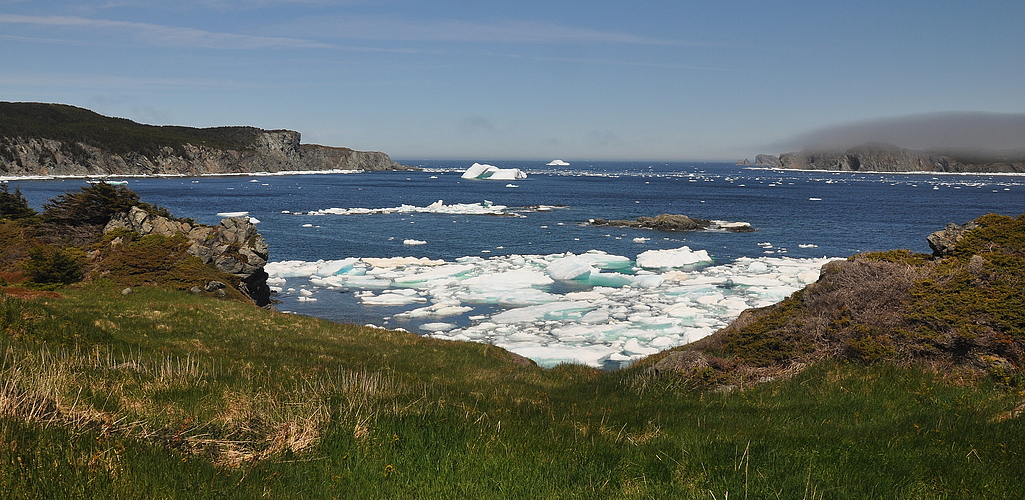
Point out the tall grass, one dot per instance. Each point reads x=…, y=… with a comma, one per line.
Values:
x=159, y=394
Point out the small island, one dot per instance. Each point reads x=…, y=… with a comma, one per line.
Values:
x=671, y=222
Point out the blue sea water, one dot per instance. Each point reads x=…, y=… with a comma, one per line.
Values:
x=797, y=215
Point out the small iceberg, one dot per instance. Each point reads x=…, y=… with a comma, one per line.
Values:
x=490, y=172
x=557, y=163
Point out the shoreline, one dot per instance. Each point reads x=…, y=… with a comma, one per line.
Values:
x=876, y=172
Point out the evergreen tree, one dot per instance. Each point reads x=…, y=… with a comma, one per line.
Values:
x=94, y=204
x=14, y=205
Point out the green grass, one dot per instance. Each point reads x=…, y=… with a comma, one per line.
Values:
x=162, y=394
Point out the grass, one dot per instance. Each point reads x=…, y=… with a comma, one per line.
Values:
x=164, y=394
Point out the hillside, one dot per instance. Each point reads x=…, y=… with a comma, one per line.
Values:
x=878, y=157
x=896, y=375
x=58, y=140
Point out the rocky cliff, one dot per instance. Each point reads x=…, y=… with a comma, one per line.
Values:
x=876, y=157
x=234, y=246
x=51, y=139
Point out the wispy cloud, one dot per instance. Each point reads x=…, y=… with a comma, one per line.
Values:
x=614, y=62
x=168, y=36
x=111, y=81
x=452, y=30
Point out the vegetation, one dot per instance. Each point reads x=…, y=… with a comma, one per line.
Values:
x=72, y=126
x=14, y=205
x=856, y=387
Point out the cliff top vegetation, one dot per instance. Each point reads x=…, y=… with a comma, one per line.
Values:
x=73, y=125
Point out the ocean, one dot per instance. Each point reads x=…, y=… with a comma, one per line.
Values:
x=515, y=263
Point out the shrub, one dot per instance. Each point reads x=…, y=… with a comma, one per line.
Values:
x=48, y=264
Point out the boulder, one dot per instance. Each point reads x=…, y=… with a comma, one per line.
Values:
x=943, y=242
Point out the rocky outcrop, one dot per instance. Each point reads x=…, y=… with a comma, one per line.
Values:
x=670, y=222
x=877, y=157
x=234, y=246
x=943, y=242
x=767, y=160
x=272, y=151
x=760, y=161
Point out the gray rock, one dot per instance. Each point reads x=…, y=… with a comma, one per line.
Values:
x=127, y=291
x=668, y=222
x=943, y=242
x=215, y=285
x=233, y=246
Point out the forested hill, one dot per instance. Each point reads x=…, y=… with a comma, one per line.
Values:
x=57, y=139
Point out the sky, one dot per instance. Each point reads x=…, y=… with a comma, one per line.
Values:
x=528, y=79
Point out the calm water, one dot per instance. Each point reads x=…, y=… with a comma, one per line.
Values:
x=841, y=213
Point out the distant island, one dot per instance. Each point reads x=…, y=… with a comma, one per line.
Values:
x=40, y=139
x=881, y=157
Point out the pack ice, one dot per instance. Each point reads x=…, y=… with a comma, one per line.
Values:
x=609, y=311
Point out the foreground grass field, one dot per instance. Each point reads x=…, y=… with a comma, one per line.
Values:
x=163, y=394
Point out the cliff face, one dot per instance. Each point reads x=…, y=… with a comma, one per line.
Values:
x=273, y=151
x=889, y=158
x=55, y=139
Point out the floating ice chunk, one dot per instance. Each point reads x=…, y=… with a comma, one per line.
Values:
x=386, y=262
x=307, y=225
x=411, y=242
x=512, y=185
x=640, y=239
x=332, y=267
x=254, y=220
x=438, y=207
x=552, y=311
x=437, y=327
x=232, y=214
x=807, y=245
x=557, y=163
x=668, y=259
x=393, y=298
x=551, y=355
x=569, y=268
x=633, y=347
x=491, y=172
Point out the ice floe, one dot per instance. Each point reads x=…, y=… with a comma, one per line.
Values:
x=593, y=308
x=557, y=163
x=439, y=207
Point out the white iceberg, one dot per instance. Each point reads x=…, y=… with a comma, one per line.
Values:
x=673, y=258
x=557, y=163
x=483, y=171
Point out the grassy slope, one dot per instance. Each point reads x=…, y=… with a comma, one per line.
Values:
x=164, y=394
x=168, y=395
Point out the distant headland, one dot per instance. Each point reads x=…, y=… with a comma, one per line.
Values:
x=881, y=157
x=40, y=139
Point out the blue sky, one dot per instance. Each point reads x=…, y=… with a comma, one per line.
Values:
x=519, y=80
